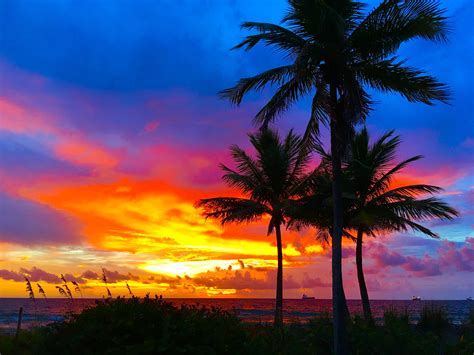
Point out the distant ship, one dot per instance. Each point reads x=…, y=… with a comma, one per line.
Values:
x=416, y=298
x=306, y=297
x=469, y=299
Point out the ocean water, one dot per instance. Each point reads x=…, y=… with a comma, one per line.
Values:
x=250, y=310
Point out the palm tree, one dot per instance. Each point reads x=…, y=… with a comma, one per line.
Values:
x=377, y=207
x=269, y=182
x=371, y=205
x=335, y=49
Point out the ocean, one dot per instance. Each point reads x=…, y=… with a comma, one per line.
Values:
x=250, y=310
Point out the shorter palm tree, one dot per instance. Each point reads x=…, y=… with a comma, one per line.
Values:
x=377, y=207
x=371, y=205
x=269, y=183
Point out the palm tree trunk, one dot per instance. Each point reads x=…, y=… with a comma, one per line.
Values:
x=279, y=288
x=364, y=296
x=338, y=299
x=347, y=314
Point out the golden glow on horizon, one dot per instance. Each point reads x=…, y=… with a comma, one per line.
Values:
x=150, y=228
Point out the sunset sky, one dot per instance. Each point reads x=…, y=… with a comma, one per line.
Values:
x=111, y=129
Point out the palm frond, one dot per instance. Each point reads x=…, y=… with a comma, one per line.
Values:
x=424, y=209
x=384, y=181
x=404, y=192
x=393, y=22
x=232, y=210
x=272, y=35
x=247, y=184
x=286, y=95
x=315, y=20
x=258, y=82
x=392, y=76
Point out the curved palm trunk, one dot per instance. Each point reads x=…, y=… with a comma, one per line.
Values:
x=364, y=296
x=347, y=314
x=279, y=289
x=338, y=300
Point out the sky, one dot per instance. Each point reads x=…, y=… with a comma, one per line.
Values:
x=111, y=129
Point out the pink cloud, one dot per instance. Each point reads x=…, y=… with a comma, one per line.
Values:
x=450, y=257
x=309, y=282
x=460, y=259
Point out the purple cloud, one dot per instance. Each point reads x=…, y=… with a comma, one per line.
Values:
x=35, y=274
x=11, y=275
x=115, y=276
x=91, y=275
x=27, y=222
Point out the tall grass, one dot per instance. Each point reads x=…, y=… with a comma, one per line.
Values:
x=41, y=292
x=129, y=289
x=104, y=279
x=67, y=289
x=77, y=288
x=31, y=295
x=392, y=317
x=434, y=319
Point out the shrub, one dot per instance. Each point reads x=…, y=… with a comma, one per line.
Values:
x=433, y=319
x=144, y=326
x=393, y=318
x=153, y=326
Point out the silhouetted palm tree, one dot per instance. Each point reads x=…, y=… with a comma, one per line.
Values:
x=269, y=182
x=377, y=206
x=371, y=205
x=334, y=49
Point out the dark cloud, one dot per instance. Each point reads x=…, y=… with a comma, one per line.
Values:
x=91, y=275
x=11, y=275
x=27, y=222
x=78, y=279
x=242, y=280
x=115, y=276
x=35, y=274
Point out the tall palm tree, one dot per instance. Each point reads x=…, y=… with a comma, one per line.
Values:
x=377, y=206
x=334, y=50
x=269, y=182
